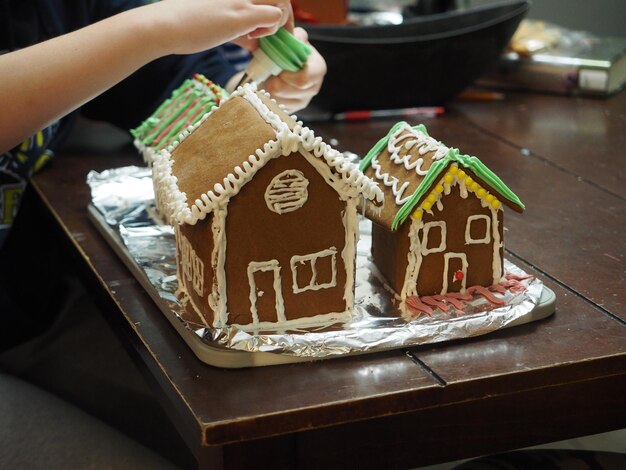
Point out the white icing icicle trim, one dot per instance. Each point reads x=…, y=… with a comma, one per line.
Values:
x=391, y=182
x=410, y=139
x=423, y=144
x=349, y=173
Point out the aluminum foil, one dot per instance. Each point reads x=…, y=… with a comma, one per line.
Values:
x=125, y=199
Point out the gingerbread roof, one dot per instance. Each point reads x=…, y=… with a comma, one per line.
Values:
x=188, y=103
x=414, y=168
x=236, y=140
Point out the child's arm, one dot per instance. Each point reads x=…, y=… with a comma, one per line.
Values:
x=42, y=83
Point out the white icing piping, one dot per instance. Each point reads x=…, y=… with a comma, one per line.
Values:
x=274, y=266
x=426, y=231
x=447, y=257
x=468, y=234
x=422, y=143
x=218, y=297
x=410, y=139
x=391, y=182
x=312, y=259
x=351, y=227
x=192, y=266
x=288, y=141
x=298, y=323
x=303, y=137
x=182, y=292
x=498, y=275
x=287, y=192
x=414, y=256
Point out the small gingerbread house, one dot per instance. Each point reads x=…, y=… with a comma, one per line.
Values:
x=440, y=228
x=265, y=215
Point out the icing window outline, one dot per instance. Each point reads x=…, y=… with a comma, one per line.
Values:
x=441, y=225
x=468, y=230
x=311, y=260
x=192, y=265
x=287, y=192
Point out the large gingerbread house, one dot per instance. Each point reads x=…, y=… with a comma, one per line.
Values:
x=265, y=215
x=440, y=229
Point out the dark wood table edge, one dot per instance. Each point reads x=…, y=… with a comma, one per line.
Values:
x=362, y=408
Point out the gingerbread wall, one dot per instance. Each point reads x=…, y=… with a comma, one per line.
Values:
x=390, y=249
x=256, y=234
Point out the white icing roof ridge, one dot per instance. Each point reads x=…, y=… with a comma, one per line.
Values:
x=418, y=144
x=420, y=150
x=175, y=202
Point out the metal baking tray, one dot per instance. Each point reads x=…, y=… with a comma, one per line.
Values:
x=377, y=326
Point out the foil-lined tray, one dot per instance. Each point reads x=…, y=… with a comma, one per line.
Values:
x=122, y=207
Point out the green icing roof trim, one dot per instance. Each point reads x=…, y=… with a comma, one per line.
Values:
x=180, y=111
x=434, y=172
x=285, y=50
x=382, y=143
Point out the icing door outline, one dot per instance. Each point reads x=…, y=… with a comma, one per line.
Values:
x=273, y=266
x=453, y=272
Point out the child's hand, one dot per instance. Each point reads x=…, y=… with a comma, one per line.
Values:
x=295, y=90
x=189, y=26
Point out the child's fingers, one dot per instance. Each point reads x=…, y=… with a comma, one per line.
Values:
x=260, y=32
x=267, y=21
x=286, y=17
x=247, y=43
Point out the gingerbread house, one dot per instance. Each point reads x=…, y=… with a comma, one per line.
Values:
x=265, y=215
x=440, y=229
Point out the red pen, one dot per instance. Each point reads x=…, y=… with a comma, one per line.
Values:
x=363, y=115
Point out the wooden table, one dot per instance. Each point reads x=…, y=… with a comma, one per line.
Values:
x=557, y=378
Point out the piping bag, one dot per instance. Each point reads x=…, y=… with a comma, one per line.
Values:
x=278, y=52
